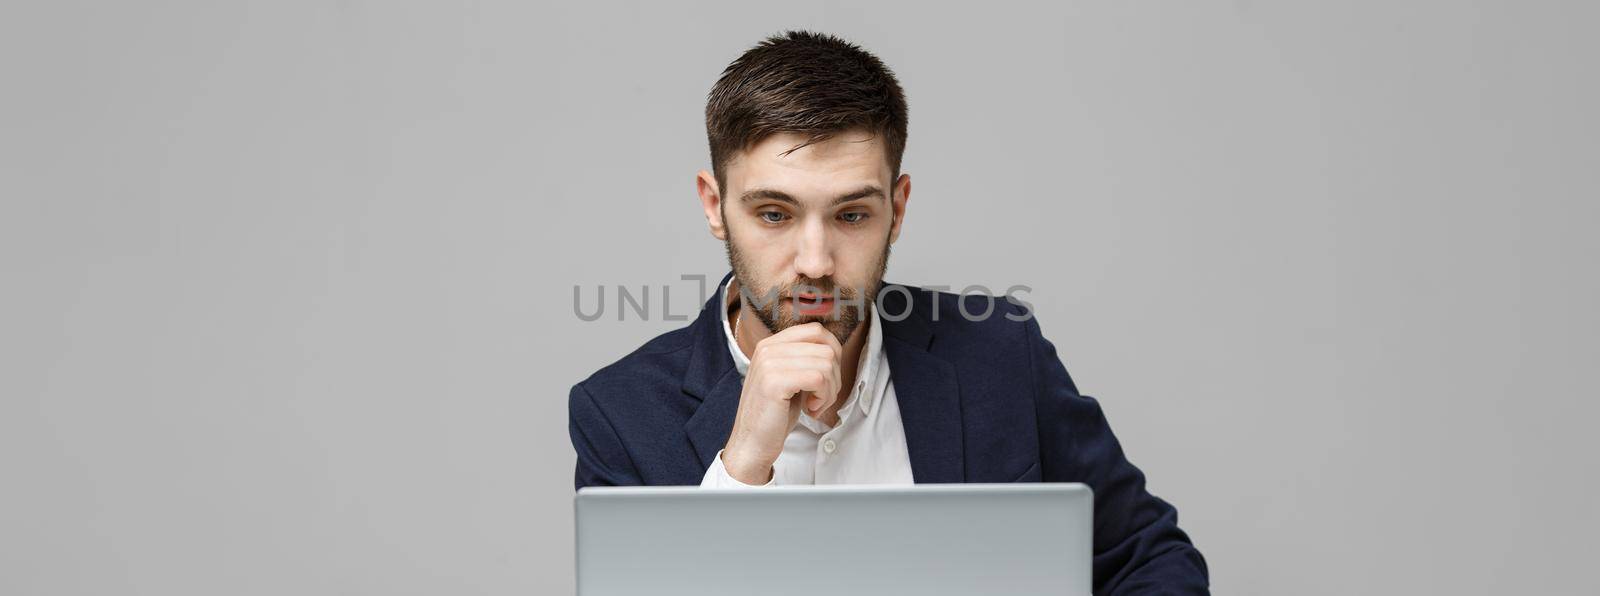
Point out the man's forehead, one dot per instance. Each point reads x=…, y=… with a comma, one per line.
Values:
x=845, y=160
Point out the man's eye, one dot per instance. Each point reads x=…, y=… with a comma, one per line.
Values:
x=771, y=216
x=853, y=217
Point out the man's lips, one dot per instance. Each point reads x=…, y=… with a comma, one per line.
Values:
x=812, y=304
x=811, y=298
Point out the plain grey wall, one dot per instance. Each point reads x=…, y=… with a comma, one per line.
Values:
x=288, y=286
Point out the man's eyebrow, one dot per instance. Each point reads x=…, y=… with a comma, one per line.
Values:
x=758, y=194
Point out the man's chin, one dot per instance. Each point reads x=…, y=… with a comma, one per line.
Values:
x=839, y=323
x=840, y=328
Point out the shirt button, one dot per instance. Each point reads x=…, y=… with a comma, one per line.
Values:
x=829, y=446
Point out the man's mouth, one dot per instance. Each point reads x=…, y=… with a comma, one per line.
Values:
x=813, y=304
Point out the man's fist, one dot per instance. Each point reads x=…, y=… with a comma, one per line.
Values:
x=792, y=369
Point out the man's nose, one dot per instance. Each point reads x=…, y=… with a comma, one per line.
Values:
x=815, y=258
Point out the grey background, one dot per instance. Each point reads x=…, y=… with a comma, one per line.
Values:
x=287, y=287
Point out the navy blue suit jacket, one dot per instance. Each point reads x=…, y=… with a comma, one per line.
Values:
x=982, y=401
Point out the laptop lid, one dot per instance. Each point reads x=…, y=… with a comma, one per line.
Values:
x=836, y=539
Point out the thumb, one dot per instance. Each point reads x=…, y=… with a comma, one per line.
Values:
x=811, y=401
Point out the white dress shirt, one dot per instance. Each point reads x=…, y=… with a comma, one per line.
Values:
x=868, y=446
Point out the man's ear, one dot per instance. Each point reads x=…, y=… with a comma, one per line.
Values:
x=900, y=194
x=711, y=200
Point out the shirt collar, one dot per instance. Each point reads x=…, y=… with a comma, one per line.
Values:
x=866, y=371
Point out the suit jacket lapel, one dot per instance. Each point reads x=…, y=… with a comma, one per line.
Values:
x=927, y=390
x=711, y=378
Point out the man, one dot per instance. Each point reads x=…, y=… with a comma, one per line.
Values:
x=806, y=367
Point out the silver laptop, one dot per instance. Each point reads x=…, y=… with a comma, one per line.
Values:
x=836, y=540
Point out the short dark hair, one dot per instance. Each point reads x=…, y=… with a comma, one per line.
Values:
x=805, y=83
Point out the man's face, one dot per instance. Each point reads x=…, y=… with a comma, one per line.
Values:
x=815, y=222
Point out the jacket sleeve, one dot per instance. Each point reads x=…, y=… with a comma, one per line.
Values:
x=602, y=460
x=1138, y=548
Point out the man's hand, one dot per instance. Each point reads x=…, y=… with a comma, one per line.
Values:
x=797, y=367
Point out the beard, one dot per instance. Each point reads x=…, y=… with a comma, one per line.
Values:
x=768, y=300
